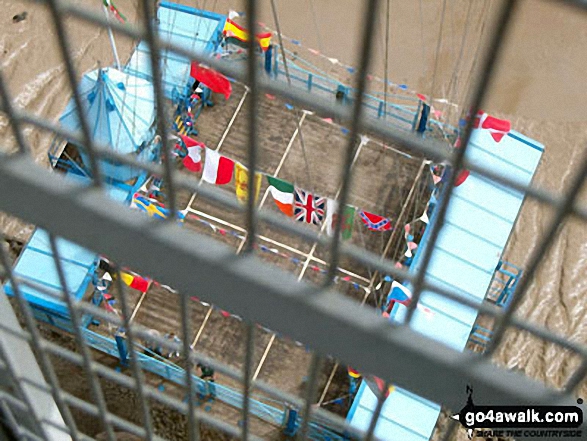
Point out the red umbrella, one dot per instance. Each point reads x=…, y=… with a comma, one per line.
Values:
x=214, y=80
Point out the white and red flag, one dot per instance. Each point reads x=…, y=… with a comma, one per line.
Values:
x=193, y=160
x=218, y=169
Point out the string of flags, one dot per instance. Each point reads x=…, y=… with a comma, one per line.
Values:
x=292, y=201
x=352, y=70
x=237, y=32
x=155, y=208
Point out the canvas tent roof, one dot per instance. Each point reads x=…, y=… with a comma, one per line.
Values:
x=120, y=109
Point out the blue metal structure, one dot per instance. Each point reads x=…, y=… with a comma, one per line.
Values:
x=120, y=111
x=405, y=415
x=35, y=264
x=478, y=224
x=400, y=110
x=186, y=27
x=109, y=108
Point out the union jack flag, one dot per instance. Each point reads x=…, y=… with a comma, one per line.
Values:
x=308, y=208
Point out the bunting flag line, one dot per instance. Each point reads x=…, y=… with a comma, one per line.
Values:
x=233, y=14
x=375, y=222
x=498, y=128
x=424, y=217
x=241, y=175
x=353, y=372
x=140, y=202
x=348, y=219
x=462, y=177
x=283, y=194
x=381, y=385
x=193, y=160
x=399, y=294
x=352, y=70
x=233, y=30
x=402, y=295
x=218, y=169
x=108, y=3
x=308, y=207
x=152, y=208
x=135, y=282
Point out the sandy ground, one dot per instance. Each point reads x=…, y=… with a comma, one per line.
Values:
x=540, y=86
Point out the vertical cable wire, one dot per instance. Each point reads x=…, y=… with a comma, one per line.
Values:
x=311, y=389
x=23, y=148
x=288, y=77
x=502, y=322
x=346, y=176
x=503, y=21
x=386, y=67
x=152, y=39
x=134, y=358
x=44, y=362
x=248, y=373
x=421, y=14
x=251, y=214
x=81, y=343
x=438, y=47
x=58, y=21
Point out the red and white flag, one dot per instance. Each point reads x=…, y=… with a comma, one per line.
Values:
x=375, y=222
x=498, y=128
x=218, y=169
x=193, y=160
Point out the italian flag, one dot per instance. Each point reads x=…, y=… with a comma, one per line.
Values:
x=283, y=194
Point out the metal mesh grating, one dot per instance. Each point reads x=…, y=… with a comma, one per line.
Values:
x=328, y=322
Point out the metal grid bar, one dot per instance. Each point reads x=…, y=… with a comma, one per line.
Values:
x=538, y=255
x=432, y=149
x=59, y=20
x=356, y=125
x=380, y=402
x=136, y=368
x=152, y=40
x=311, y=389
x=330, y=307
x=18, y=386
x=504, y=19
x=252, y=82
x=142, y=332
x=44, y=362
x=74, y=315
x=191, y=259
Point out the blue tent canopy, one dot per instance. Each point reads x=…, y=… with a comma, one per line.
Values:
x=120, y=109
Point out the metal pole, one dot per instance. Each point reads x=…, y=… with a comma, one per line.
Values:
x=112, y=42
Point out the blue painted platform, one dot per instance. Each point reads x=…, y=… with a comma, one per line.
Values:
x=479, y=221
x=37, y=265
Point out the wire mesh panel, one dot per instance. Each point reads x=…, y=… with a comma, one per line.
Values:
x=216, y=312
